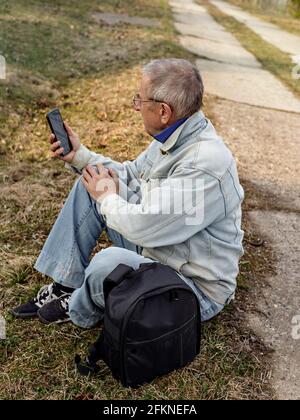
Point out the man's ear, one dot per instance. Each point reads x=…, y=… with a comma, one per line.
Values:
x=165, y=113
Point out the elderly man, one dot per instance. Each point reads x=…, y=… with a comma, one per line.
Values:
x=178, y=203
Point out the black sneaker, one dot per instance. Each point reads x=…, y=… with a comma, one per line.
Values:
x=46, y=294
x=56, y=311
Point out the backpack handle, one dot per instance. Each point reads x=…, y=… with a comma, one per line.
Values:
x=115, y=278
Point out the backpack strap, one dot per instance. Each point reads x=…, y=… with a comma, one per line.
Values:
x=114, y=278
x=90, y=366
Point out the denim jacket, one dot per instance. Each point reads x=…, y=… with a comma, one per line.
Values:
x=201, y=238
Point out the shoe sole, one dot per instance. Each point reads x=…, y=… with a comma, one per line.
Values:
x=23, y=316
x=44, y=321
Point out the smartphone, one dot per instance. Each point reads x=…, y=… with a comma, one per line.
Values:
x=58, y=129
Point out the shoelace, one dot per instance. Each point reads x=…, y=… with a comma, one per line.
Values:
x=64, y=301
x=44, y=295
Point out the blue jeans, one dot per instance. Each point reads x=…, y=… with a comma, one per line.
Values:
x=66, y=252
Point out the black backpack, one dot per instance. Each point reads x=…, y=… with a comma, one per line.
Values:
x=151, y=326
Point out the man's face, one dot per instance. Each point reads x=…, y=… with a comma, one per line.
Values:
x=155, y=115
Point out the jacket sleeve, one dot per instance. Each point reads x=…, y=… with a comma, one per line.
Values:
x=170, y=212
x=128, y=171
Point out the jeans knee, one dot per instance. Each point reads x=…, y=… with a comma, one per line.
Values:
x=100, y=266
x=113, y=253
x=78, y=185
x=78, y=188
x=104, y=262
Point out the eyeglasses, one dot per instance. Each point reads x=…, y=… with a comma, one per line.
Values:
x=137, y=101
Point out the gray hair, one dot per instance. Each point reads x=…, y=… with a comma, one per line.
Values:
x=176, y=82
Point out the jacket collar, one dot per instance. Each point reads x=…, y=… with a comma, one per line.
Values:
x=192, y=122
x=167, y=132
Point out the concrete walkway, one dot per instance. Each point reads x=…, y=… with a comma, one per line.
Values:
x=228, y=70
x=271, y=33
x=266, y=145
x=280, y=304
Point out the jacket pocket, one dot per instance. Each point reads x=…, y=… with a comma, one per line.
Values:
x=178, y=256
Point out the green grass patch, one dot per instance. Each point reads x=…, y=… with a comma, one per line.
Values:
x=48, y=46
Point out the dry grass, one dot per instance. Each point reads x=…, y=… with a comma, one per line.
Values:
x=37, y=361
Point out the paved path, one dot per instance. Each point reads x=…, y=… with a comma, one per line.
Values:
x=280, y=303
x=266, y=144
x=228, y=70
x=271, y=33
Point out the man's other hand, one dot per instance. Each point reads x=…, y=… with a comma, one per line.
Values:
x=100, y=185
x=57, y=150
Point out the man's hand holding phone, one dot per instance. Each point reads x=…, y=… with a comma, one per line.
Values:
x=65, y=143
x=57, y=150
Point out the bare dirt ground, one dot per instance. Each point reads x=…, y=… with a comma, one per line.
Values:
x=266, y=144
x=258, y=118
